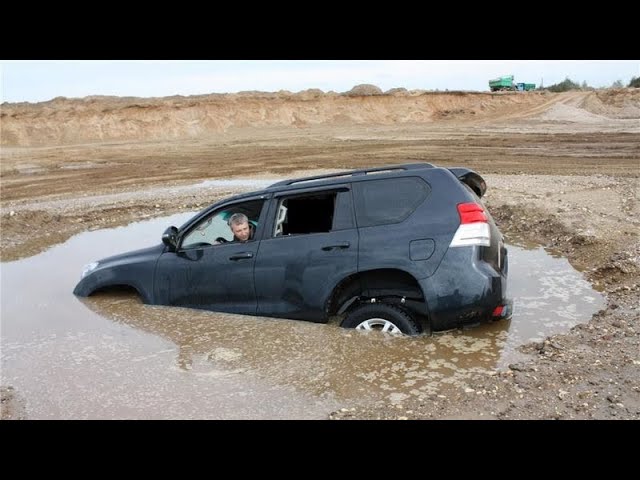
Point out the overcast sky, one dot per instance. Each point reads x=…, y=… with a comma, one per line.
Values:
x=35, y=81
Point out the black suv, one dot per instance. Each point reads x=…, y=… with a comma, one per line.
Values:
x=403, y=248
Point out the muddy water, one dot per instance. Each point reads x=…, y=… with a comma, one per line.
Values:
x=110, y=356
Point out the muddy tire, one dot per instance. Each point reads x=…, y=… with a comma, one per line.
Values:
x=383, y=317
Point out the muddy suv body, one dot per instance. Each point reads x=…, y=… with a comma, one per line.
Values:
x=401, y=248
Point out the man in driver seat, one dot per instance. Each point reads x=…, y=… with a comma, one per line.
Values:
x=242, y=230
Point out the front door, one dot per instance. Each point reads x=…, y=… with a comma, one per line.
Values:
x=210, y=270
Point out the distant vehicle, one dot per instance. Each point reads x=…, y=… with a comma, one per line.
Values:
x=402, y=249
x=506, y=83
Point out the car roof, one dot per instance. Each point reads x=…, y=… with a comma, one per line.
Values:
x=337, y=178
x=340, y=176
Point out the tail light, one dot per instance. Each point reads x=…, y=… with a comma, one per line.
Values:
x=474, y=227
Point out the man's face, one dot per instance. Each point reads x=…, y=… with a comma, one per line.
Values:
x=241, y=231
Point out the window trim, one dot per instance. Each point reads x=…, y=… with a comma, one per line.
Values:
x=278, y=197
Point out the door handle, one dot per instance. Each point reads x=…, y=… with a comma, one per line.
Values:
x=337, y=245
x=241, y=256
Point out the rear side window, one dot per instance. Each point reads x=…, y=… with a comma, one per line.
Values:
x=381, y=202
x=305, y=214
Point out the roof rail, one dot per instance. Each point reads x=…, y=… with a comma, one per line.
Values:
x=389, y=168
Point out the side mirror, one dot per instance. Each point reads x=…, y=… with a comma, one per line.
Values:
x=170, y=238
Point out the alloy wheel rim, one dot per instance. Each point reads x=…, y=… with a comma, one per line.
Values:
x=379, y=324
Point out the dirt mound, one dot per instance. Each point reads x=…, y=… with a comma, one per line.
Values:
x=396, y=91
x=614, y=103
x=364, y=90
x=561, y=112
x=116, y=119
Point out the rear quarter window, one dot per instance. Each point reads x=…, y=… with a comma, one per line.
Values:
x=382, y=202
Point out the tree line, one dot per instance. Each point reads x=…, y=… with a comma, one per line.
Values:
x=568, y=84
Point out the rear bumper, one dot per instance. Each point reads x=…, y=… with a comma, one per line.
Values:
x=466, y=291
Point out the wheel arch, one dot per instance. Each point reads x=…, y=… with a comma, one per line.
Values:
x=389, y=283
x=144, y=296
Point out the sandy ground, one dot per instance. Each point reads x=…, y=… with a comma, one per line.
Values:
x=563, y=173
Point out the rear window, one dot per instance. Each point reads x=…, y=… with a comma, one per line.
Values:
x=381, y=202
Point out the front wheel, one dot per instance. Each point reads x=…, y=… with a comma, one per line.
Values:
x=383, y=317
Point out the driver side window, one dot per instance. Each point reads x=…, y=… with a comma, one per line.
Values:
x=215, y=229
x=207, y=231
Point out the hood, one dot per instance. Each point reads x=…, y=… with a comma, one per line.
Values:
x=133, y=256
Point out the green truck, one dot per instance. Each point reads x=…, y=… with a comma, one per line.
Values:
x=506, y=83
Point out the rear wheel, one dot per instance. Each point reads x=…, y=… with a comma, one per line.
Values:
x=383, y=317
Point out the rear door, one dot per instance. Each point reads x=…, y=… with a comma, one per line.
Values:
x=309, y=245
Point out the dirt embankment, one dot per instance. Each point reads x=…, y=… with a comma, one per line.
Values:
x=106, y=119
x=614, y=103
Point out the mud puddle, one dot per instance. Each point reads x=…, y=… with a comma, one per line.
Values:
x=110, y=356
